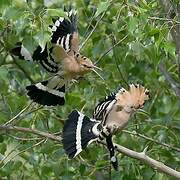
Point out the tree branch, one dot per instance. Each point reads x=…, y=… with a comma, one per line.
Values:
x=164, y=19
x=32, y=131
x=151, y=162
x=136, y=155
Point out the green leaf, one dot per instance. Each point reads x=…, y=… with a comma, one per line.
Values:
x=13, y=13
x=132, y=24
x=82, y=169
x=42, y=38
x=3, y=148
x=170, y=48
x=5, y=3
x=56, y=12
x=102, y=7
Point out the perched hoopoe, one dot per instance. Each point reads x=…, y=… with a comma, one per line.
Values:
x=109, y=116
x=62, y=59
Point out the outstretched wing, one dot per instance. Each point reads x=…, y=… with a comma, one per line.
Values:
x=65, y=31
x=64, y=35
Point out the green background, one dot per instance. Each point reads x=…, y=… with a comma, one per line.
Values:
x=145, y=37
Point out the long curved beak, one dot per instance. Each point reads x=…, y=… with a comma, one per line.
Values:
x=95, y=67
x=97, y=74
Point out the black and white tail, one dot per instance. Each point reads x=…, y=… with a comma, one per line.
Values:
x=111, y=148
x=44, y=95
x=78, y=132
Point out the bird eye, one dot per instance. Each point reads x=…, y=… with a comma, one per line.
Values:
x=84, y=58
x=77, y=55
x=147, y=92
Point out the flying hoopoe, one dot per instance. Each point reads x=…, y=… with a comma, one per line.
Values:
x=110, y=116
x=62, y=59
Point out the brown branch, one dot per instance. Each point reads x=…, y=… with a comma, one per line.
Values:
x=32, y=131
x=136, y=155
x=151, y=162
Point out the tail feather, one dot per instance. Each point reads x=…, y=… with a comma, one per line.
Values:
x=113, y=158
x=78, y=132
x=44, y=95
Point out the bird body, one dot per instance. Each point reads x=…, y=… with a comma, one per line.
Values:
x=117, y=119
x=62, y=59
x=110, y=116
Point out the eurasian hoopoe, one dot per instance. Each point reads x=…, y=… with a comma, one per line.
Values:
x=62, y=59
x=109, y=116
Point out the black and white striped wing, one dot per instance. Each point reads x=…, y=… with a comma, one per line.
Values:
x=102, y=109
x=46, y=59
x=65, y=31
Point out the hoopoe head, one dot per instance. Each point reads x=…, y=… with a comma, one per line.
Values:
x=133, y=99
x=85, y=64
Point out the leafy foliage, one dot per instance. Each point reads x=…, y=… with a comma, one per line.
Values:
x=146, y=43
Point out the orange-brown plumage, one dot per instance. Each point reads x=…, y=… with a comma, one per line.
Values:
x=127, y=102
x=134, y=97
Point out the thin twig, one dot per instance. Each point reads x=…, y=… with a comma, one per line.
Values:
x=18, y=115
x=24, y=150
x=152, y=140
x=164, y=19
x=33, y=131
x=116, y=58
x=90, y=34
x=24, y=139
x=110, y=49
x=33, y=110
